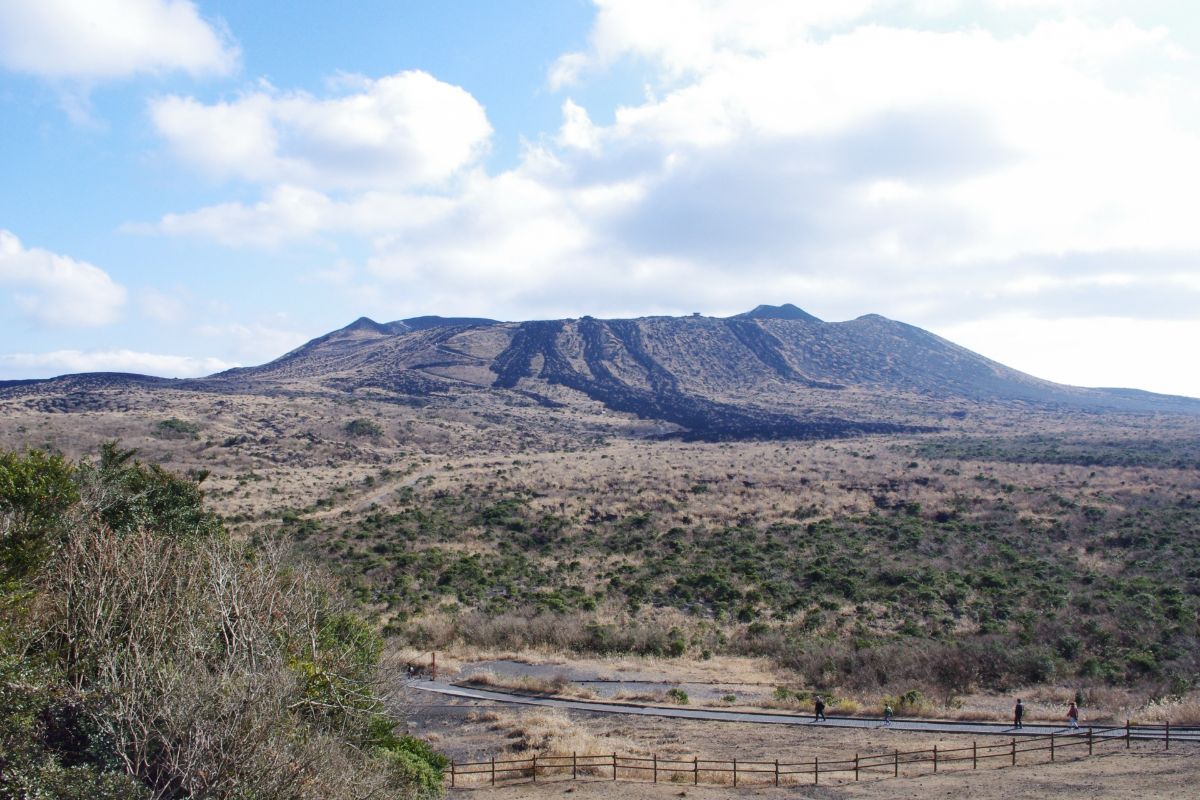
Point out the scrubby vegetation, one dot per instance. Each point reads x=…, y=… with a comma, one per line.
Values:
x=143, y=654
x=175, y=428
x=364, y=427
x=885, y=567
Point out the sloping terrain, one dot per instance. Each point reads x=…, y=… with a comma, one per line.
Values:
x=774, y=372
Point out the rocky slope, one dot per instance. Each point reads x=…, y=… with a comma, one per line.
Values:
x=774, y=372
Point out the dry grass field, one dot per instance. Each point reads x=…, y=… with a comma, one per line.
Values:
x=1013, y=550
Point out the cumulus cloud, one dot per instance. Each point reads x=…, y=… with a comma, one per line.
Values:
x=65, y=362
x=408, y=129
x=95, y=40
x=55, y=289
x=849, y=157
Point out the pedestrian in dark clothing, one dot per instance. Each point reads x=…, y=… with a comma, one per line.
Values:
x=819, y=707
x=1073, y=715
x=887, y=714
x=1018, y=713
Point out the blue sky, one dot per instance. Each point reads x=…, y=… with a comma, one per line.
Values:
x=193, y=185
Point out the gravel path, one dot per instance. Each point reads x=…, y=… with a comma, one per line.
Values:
x=939, y=726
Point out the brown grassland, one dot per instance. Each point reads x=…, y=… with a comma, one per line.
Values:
x=1054, y=554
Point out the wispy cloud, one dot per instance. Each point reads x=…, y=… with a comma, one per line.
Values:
x=64, y=362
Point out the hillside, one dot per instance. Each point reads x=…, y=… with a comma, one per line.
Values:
x=774, y=372
x=862, y=501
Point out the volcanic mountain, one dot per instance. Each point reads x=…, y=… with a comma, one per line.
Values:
x=776, y=371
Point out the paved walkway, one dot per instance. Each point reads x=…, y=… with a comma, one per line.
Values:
x=1189, y=734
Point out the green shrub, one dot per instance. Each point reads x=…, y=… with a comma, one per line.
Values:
x=175, y=428
x=270, y=698
x=364, y=428
x=677, y=696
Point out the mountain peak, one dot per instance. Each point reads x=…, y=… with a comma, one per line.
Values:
x=434, y=321
x=785, y=311
x=371, y=326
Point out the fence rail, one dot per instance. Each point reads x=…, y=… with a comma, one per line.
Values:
x=616, y=766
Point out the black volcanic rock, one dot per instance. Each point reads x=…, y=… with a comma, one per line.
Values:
x=785, y=311
x=775, y=372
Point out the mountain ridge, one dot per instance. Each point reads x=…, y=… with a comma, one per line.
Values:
x=772, y=372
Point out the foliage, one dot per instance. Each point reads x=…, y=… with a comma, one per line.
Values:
x=677, y=696
x=145, y=655
x=175, y=428
x=981, y=582
x=364, y=427
x=36, y=489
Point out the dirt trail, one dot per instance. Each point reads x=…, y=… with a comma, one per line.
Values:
x=1181, y=735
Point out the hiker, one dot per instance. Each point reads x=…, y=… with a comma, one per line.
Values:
x=819, y=707
x=1073, y=715
x=1018, y=713
x=887, y=713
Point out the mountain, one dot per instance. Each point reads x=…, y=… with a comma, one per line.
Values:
x=785, y=311
x=774, y=372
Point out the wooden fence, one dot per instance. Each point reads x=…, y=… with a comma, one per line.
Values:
x=615, y=766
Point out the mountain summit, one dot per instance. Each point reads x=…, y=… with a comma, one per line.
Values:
x=774, y=372
x=785, y=311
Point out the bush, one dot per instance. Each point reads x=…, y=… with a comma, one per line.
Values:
x=363, y=427
x=175, y=428
x=143, y=653
x=677, y=696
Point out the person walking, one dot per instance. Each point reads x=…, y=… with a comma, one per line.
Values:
x=887, y=713
x=1018, y=713
x=819, y=709
x=1073, y=715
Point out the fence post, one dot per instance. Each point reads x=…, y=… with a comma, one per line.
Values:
x=696, y=770
x=974, y=756
x=493, y=770
x=1051, y=746
x=655, y=757
x=1014, y=752
x=535, y=769
x=856, y=766
x=1126, y=734
x=1089, y=740
x=614, y=766
x=1168, y=735
x=896, y=765
x=777, y=772
x=935, y=758
x=574, y=766
x=816, y=769
x=452, y=775
x=735, y=773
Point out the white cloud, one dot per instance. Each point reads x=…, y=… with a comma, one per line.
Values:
x=93, y=40
x=892, y=156
x=55, y=289
x=401, y=130
x=692, y=36
x=288, y=213
x=1146, y=354
x=64, y=362
x=256, y=342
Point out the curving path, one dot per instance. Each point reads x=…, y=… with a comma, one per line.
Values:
x=1182, y=734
